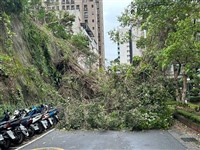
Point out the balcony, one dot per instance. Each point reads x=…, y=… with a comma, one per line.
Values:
x=87, y=29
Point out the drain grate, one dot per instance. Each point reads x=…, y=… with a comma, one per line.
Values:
x=189, y=139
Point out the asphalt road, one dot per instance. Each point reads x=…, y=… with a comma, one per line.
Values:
x=100, y=140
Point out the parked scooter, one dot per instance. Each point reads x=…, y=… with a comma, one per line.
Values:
x=14, y=125
x=25, y=121
x=50, y=117
x=38, y=123
x=6, y=135
x=31, y=120
x=53, y=113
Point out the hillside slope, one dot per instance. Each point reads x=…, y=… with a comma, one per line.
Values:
x=36, y=66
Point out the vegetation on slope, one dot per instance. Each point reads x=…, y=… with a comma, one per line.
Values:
x=35, y=54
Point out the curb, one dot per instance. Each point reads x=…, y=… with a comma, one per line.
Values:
x=187, y=122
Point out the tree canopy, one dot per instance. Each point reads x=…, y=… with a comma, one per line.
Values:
x=173, y=28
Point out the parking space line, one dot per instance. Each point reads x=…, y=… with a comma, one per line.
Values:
x=35, y=139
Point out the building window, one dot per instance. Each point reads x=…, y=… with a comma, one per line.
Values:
x=92, y=6
x=92, y=28
x=86, y=21
x=85, y=8
x=92, y=20
x=85, y=14
x=72, y=7
x=91, y=0
x=77, y=7
x=67, y=7
x=67, y=1
x=53, y=8
x=72, y=1
x=63, y=1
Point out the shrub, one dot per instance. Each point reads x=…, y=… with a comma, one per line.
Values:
x=95, y=115
x=194, y=98
x=189, y=115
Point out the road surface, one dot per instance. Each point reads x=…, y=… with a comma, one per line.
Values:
x=100, y=140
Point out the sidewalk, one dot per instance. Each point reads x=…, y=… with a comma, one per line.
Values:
x=188, y=137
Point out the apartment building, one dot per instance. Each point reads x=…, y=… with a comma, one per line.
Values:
x=124, y=48
x=91, y=19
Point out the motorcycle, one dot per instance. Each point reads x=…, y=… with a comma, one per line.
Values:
x=25, y=121
x=31, y=120
x=19, y=132
x=6, y=135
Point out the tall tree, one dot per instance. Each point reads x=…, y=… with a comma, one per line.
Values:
x=172, y=27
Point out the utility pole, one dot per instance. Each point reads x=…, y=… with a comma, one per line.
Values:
x=130, y=43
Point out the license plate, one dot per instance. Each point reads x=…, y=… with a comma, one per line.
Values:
x=1, y=137
x=44, y=123
x=35, y=127
x=50, y=120
x=22, y=128
x=10, y=133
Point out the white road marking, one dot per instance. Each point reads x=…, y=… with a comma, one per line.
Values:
x=35, y=140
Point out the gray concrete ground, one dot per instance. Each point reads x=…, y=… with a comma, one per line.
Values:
x=115, y=140
x=185, y=135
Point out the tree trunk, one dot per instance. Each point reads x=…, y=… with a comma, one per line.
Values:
x=177, y=70
x=178, y=96
x=184, y=90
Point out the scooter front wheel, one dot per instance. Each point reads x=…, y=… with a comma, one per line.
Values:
x=6, y=144
x=31, y=131
x=19, y=138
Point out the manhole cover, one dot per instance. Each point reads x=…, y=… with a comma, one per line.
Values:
x=189, y=139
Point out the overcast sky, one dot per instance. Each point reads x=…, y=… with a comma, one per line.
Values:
x=112, y=9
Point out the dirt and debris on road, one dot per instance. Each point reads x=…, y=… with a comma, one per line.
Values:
x=187, y=136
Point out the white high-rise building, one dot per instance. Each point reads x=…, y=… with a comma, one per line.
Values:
x=124, y=49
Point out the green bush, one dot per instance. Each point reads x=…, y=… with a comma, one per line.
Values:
x=189, y=115
x=95, y=115
x=194, y=98
x=75, y=117
x=170, y=102
x=197, y=108
x=195, y=91
x=115, y=121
